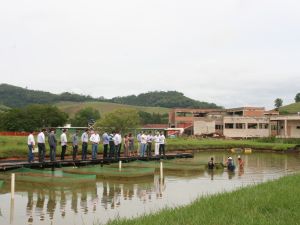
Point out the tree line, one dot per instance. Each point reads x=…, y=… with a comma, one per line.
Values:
x=35, y=117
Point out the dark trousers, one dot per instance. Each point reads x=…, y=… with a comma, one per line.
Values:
x=75, y=150
x=63, y=152
x=162, y=149
x=111, y=149
x=117, y=151
x=42, y=149
x=52, y=152
x=149, y=149
x=105, y=148
x=84, y=150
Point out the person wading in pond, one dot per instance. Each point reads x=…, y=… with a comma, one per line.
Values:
x=241, y=163
x=75, y=140
x=211, y=164
x=52, y=144
x=31, y=144
x=41, y=145
x=64, y=142
x=84, y=141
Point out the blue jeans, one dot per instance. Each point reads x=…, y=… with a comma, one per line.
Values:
x=143, y=149
x=30, y=153
x=94, y=151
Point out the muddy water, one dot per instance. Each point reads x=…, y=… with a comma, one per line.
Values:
x=107, y=199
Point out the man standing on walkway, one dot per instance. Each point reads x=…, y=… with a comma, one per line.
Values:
x=41, y=145
x=64, y=142
x=95, y=139
x=111, y=145
x=157, y=143
x=143, y=144
x=84, y=140
x=117, y=141
x=162, y=141
x=31, y=144
x=52, y=144
x=105, y=138
x=75, y=140
x=149, y=144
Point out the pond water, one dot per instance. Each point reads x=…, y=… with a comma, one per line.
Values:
x=99, y=201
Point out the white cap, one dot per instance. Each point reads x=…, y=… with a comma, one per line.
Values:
x=239, y=156
x=229, y=157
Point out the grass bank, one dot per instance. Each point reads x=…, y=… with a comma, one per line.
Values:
x=12, y=146
x=272, y=203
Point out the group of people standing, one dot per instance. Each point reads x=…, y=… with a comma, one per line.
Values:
x=112, y=144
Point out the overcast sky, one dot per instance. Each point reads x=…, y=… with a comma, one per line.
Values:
x=230, y=52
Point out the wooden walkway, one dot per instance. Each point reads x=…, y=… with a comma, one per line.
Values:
x=14, y=164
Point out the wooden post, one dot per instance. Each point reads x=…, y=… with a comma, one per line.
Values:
x=12, y=185
x=161, y=170
x=120, y=165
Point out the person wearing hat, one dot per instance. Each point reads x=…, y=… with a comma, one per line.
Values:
x=230, y=164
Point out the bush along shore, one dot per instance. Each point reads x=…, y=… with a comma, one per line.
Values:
x=16, y=147
x=271, y=203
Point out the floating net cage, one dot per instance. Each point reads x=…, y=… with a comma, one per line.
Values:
x=48, y=176
x=167, y=166
x=112, y=172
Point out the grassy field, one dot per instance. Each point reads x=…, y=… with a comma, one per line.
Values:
x=290, y=109
x=104, y=107
x=11, y=146
x=272, y=203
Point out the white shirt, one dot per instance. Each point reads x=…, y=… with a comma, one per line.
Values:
x=30, y=140
x=162, y=139
x=95, y=138
x=143, y=139
x=85, y=137
x=156, y=139
x=117, y=139
x=63, y=139
x=41, y=138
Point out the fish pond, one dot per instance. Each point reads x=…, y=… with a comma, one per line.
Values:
x=97, y=194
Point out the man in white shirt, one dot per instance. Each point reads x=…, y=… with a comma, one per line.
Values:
x=117, y=141
x=149, y=144
x=41, y=145
x=64, y=142
x=143, y=144
x=162, y=141
x=84, y=141
x=95, y=139
x=31, y=144
x=157, y=143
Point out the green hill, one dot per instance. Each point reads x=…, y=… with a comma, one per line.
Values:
x=168, y=99
x=3, y=108
x=290, y=109
x=13, y=96
x=104, y=107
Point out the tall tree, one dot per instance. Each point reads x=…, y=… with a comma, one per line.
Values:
x=83, y=116
x=278, y=103
x=121, y=120
x=297, y=97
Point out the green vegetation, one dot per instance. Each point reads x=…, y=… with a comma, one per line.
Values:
x=297, y=97
x=13, y=96
x=121, y=120
x=83, y=116
x=271, y=203
x=290, y=109
x=154, y=118
x=168, y=99
x=32, y=117
x=278, y=103
x=16, y=146
x=72, y=108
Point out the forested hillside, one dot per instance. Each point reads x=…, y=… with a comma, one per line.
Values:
x=13, y=96
x=169, y=99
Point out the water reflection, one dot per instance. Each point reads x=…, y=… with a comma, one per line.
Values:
x=105, y=199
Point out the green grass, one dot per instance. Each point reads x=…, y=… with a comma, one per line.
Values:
x=104, y=107
x=290, y=109
x=11, y=146
x=272, y=203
